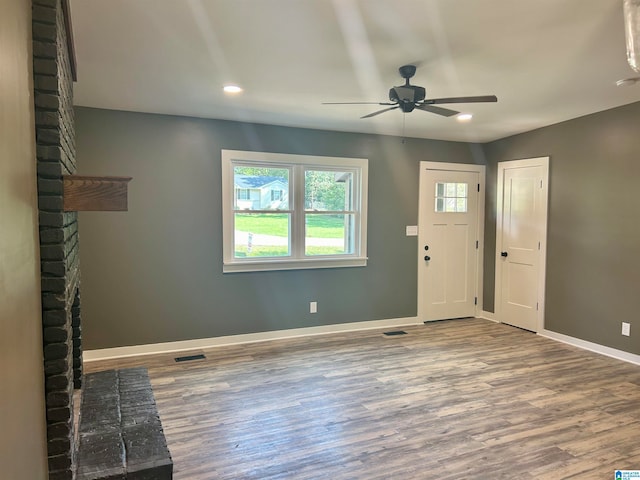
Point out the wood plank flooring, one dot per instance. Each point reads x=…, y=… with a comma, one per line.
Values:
x=449, y=400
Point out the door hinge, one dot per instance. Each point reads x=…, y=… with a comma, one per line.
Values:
x=538, y=245
x=475, y=300
x=478, y=187
x=476, y=244
x=540, y=183
x=537, y=306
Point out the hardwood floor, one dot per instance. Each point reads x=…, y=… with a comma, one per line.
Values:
x=449, y=400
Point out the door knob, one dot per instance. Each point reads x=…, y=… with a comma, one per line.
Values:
x=427, y=258
x=504, y=254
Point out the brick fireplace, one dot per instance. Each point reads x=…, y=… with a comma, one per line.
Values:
x=53, y=74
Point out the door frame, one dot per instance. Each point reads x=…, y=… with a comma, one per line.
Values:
x=523, y=163
x=422, y=203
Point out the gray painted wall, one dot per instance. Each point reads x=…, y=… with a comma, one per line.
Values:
x=593, y=263
x=154, y=273
x=23, y=447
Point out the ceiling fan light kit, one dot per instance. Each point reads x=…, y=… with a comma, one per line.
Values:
x=631, y=10
x=409, y=97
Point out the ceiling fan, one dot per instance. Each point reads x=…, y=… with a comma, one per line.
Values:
x=408, y=97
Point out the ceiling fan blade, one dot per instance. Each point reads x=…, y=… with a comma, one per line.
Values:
x=478, y=99
x=445, y=112
x=380, y=111
x=356, y=103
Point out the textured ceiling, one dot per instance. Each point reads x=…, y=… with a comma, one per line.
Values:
x=546, y=60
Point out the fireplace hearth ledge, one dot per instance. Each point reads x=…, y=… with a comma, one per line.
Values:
x=120, y=434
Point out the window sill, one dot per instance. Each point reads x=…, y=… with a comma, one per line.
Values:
x=262, y=266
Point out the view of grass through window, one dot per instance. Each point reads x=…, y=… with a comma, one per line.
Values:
x=267, y=234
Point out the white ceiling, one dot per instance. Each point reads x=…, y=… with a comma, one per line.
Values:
x=546, y=60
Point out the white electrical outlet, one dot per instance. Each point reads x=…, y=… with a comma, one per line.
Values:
x=626, y=329
x=313, y=307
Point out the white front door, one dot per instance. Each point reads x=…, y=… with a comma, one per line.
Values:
x=448, y=241
x=521, y=242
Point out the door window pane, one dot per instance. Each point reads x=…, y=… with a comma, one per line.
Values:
x=451, y=197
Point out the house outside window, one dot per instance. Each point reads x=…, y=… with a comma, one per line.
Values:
x=258, y=191
x=283, y=211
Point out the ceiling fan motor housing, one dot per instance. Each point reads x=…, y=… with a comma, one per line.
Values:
x=406, y=96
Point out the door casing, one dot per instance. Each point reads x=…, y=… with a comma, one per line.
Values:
x=422, y=204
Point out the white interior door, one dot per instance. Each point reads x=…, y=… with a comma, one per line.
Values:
x=520, y=242
x=448, y=242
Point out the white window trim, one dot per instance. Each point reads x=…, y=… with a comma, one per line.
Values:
x=232, y=264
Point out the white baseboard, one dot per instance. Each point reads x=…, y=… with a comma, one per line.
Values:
x=179, y=346
x=593, y=347
x=488, y=316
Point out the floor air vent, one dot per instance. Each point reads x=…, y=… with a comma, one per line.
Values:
x=189, y=358
x=395, y=332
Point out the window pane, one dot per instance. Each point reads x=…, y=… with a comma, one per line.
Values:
x=326, y=190
x=276, y=195
x=261, y=235
x=450, y=205
x=242, y=193
x=261, y=188
x=451, y=189
x=451, y=197
x=328, y=234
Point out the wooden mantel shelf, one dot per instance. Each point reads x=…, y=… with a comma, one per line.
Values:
x=95, y=194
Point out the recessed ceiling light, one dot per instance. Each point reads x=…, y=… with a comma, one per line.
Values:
x=464, y=117
x=232, y=89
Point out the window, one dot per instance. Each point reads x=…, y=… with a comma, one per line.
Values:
x=302, y=211
x=451, y=197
